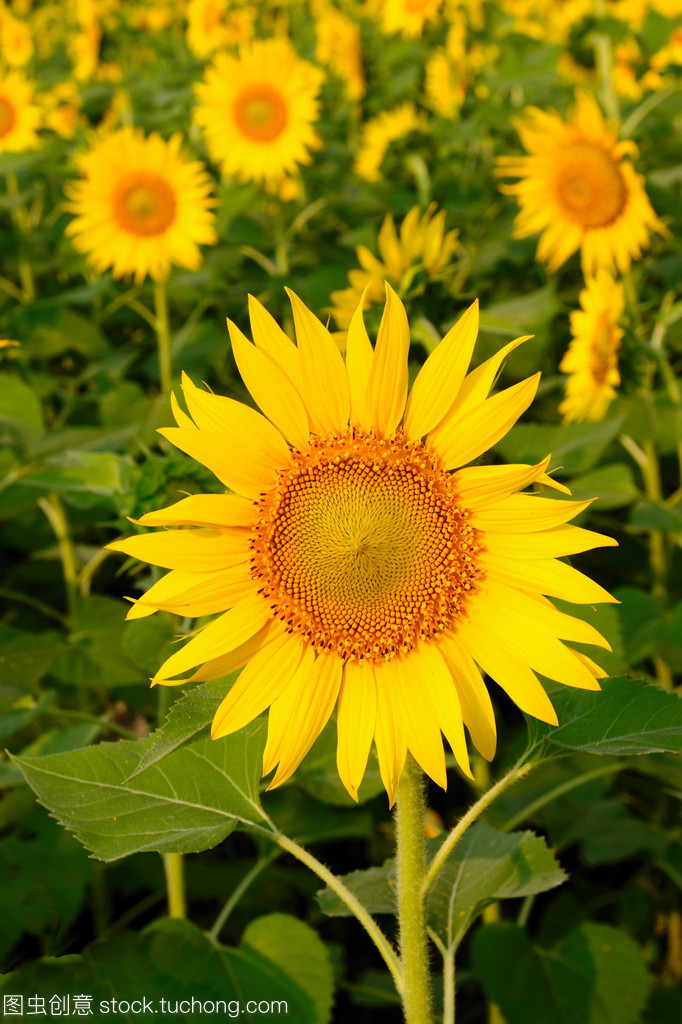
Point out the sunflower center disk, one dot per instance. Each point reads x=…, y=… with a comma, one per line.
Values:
x=8, y=117
x=261, y=113
x=144, y=204
x=363, y=549
x=603, y=349
x=590, y=186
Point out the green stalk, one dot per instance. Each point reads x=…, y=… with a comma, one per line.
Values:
x=411, y=869
x=604, y=57
x=28, y=288
x=163, y=335
x=520, y=769
x=175, y=884
x=54, y=511
x=352, y=902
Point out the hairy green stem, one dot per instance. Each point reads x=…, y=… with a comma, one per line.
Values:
x=520, y=769
x=410, y=817
x=375, y=933
x=565, y=787
x=175, y=884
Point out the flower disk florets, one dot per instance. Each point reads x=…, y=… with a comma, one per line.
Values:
x=362, y=548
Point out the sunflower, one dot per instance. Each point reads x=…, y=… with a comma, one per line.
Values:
x=409, y=16
x=357, y=563
x=257, y=110
x=379, y=132
x=579, y=188
x=19, y=118
x=339, y=48
x=592, y=356
x=140, y=206
x=422, y=244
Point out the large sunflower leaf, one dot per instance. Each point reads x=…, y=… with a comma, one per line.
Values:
x=191, y=803
x=486, y=865
x=174, y=962
x=597, y=976
x=188, y=719
x=627, y=717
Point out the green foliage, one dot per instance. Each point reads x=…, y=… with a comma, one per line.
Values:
x=597, y=975
x=189, y=804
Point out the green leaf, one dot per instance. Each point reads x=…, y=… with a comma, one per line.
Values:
x=26, y=657
x=149, y=641
x=174, y=961
x=488, y=865
x=575, y=447
x=188, y=719
x=642, y=622
x=95, y=656
x=21, y=414
x=653, y=515
x=193, y=802
x=527, y=312
x=25, y=711
x=300, y=953
x=612, y=485
x=97, y=473
x=596, y=976
x=627, y=717
x=485, y=865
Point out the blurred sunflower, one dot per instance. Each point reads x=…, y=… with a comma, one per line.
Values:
x=339, y=48
x=19, y=118
x=408, y=17
x=592, y=357
x=422, y=244
x=379, y=132
x=579, y=189
x=215, y=24
x=16, y=42
x=357, y=563
x=257, y=110
x=140, y=206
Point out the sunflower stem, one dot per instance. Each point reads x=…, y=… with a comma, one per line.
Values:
x=604, y=57
x=246, y=882
x=375, y=933
x=54, y=511
x=175, y=884
x=19, y=216
x=520, y=769
x=163, y=335
x=411, y=869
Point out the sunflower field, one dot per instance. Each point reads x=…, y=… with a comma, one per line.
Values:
x=341, y=510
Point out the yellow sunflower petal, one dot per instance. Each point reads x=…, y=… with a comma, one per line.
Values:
x=468, y=436
x=526, y=513
x=193, y=550
x=474, y=699
x=230, y=662
x=480, y=486
x=356, y=720
x=359, y=356
x=415, y=717
x=181, y=417
x=441, y=376
x=325, y=382
x=389, y=739
x=547, y=576
x=282, y=709
x=270, y=389
x=440, y=689
x=514, y=676
x=387, y=386
x=259, y=684
x=477, y=384
x=271, y=339
x=222, y=510
x=219, y=637
x=239, y=461
x=215, y=414
x=302, y=712
x=553, y=543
